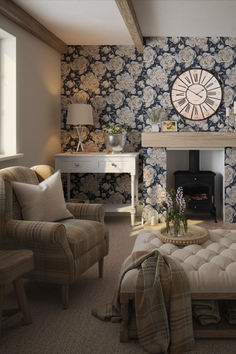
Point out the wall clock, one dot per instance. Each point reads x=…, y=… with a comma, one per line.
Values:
x=196, y=94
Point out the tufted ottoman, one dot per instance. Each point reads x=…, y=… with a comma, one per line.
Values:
x=210, y=268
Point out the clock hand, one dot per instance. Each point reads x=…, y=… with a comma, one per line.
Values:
x=201, y=90
x=197, y=94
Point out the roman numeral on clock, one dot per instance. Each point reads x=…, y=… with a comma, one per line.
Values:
x=182, y=101
x=188, y=80
x=211, y=93
x=202, y=80
x=209, y=85
x=187, y=108
x=209, y=102
x=195, y=76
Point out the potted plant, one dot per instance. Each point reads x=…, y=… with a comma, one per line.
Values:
x=115, y=138
x=155, y=117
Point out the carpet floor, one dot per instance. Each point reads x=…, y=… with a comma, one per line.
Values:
x=75, y=331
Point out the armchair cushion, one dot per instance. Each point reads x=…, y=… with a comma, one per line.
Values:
x=44, y=201
x=94, y=212
x=83, y=235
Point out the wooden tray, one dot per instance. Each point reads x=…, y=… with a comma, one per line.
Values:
x=195, y=234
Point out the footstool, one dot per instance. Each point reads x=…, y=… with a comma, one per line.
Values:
x=210, y=268
x=13, y=265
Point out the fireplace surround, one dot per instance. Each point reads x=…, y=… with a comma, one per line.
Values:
x=155, y=147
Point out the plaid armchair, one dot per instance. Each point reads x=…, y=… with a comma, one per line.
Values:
x=62, y=250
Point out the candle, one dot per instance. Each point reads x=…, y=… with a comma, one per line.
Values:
x=234, y=107
x=153, y=220
x=227, y=111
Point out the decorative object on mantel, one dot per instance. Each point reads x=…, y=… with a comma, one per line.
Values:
x=175, y=206
x=155, y=116
x=169, y=126
x=80, y=114
x=196, y=94
x=115, y=138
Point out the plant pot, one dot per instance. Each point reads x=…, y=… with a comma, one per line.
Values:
x=115, y=142
x=155, y=127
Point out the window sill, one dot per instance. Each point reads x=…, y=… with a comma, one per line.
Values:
x=11, y=157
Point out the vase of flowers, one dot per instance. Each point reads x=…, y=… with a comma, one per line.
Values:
x=175, y=205
x=155, y=116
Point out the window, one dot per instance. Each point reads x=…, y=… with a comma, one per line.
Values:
x=7, y=94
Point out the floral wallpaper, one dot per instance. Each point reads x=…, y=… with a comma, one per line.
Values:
x=230, y=184
x=123, y=86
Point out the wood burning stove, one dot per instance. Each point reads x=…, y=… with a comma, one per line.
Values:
x=198, y=186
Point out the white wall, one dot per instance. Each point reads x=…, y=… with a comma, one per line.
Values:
x=193, y=18
x=38, y=98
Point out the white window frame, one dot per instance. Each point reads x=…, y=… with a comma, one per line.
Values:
x=8, y=124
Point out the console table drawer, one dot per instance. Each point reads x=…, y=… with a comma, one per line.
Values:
x=114, y=166
x=77, y=166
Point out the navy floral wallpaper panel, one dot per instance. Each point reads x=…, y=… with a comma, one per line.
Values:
x=123, y=85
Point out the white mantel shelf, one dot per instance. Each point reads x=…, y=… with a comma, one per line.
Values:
x=189, y=139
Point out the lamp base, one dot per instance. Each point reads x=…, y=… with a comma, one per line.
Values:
x=80, y=130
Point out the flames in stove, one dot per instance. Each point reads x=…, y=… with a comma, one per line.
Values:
x=202, y=196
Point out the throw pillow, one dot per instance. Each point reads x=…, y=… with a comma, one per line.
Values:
x=44, y=201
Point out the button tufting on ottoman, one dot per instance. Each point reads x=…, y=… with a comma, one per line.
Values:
x=210, y=267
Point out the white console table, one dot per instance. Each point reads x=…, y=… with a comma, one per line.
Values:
x=103, y=163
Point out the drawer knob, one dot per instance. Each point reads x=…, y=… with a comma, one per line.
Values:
x=195, y=178
x=113, y=164
x=76, y=164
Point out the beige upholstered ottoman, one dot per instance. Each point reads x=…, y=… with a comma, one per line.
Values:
x=210, y=268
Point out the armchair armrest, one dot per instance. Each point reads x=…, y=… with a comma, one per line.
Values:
x=37, y=231
x=53, y=257
x=94, y=212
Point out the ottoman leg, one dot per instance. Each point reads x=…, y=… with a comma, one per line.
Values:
x=65, y=295
x=22, y=301
x=2, y=288
x=100, y=268
x=124, y=332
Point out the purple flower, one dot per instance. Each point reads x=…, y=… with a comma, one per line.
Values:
x=169, y=201
x=180, y=200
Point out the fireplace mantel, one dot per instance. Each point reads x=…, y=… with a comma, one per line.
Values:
x=189, y=139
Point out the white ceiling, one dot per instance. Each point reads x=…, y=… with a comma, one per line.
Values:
x=80, y=21
x=95, y=22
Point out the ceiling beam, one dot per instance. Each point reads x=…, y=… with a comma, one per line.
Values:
x=127, y=12
x=16, y=14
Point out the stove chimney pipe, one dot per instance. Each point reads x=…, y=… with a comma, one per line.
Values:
x=194, y=161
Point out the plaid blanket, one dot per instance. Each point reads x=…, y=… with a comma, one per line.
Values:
x=162, y=303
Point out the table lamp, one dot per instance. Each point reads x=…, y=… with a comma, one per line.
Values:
x=80, y=114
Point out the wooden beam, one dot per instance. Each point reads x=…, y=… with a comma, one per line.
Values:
x=127, y=12
x=16, y=14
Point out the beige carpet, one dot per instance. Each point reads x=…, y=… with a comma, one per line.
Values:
x=75, y=331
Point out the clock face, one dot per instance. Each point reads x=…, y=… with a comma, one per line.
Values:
x=196, y=94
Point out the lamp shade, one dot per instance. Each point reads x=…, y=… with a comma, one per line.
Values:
x=79, y=113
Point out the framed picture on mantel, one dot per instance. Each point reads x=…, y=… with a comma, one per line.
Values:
x=169, y=126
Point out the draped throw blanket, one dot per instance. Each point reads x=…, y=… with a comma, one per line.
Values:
x=162, y=303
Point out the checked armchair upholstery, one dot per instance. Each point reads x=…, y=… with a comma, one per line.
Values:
x=62, y=250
